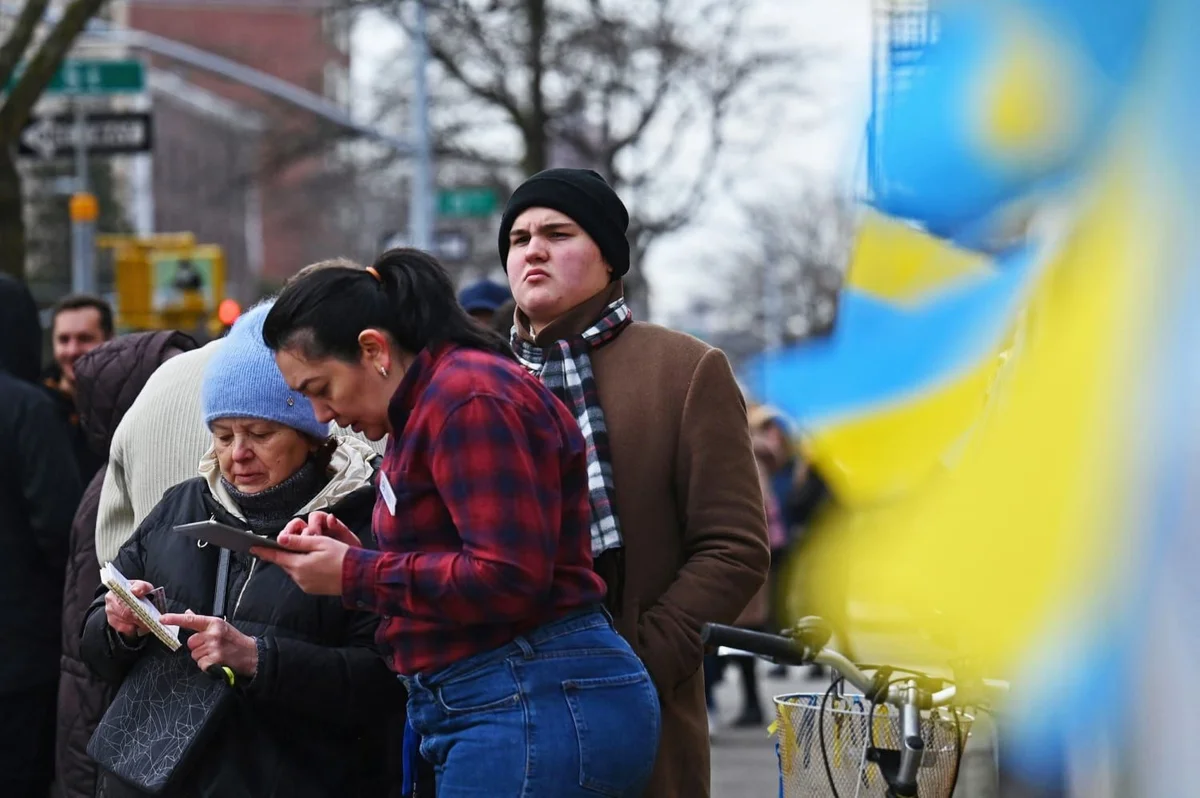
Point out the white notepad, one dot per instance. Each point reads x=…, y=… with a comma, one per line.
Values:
x=115, y=581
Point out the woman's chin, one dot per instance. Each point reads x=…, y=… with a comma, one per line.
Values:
x=369, y=431
x=251, y=486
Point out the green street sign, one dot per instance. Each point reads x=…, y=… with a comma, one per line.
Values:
x=466, y=202
x=93, y=77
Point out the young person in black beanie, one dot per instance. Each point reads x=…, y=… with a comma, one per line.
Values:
x=677, y=522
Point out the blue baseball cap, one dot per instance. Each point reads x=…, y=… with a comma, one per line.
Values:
x=483, y=295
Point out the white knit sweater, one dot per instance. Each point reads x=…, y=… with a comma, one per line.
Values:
x=157, y=445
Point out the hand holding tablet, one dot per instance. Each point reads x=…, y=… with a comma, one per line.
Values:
x=227, y=537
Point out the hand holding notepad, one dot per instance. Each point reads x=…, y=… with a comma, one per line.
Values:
x=146, y=613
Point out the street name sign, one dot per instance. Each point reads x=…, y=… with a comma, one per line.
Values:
x=466, y=202
x=94, y=77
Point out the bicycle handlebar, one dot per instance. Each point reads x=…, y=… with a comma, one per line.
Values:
x=780, y=649
x=790, y=651
x=784, y=650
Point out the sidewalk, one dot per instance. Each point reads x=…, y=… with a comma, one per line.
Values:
x=743, y=760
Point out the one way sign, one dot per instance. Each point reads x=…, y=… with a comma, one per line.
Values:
x=104, y=134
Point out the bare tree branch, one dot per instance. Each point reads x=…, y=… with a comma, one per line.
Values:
x=465, y=154
x=535, y=124
x=653, y=225
x=16, y=107
x=43, y=65
x=19, y=38
x=466, y=30
x=789, y=271
x=495, y=93
x=731, y=77
x=644, y=92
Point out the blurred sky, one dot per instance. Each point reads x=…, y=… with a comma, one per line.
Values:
x=817, y=132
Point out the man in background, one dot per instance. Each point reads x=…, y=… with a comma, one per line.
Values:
x=679, y=528
x=80, y=323
x=481, y=300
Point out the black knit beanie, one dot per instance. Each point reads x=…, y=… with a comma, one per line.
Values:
x=582, y=195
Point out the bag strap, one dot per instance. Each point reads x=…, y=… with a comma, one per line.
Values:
x=222, y=584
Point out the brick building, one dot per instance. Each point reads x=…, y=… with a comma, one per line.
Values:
x=298, y=41
x=204, y=178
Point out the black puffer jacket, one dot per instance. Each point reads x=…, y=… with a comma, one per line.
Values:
x=107, y=380
x=39, y=490
x=313, y=722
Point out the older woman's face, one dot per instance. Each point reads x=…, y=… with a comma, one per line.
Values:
x=255, y=454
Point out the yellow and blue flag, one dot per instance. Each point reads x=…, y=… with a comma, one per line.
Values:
x=1008, y=429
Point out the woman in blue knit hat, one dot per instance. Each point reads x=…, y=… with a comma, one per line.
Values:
x=306, y=683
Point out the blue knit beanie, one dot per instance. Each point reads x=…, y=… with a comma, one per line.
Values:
x=242, y=381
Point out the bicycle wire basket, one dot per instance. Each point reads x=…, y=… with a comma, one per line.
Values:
x=846, y=719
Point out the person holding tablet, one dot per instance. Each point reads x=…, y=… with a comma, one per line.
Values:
x=311, y=692
x=492, y=612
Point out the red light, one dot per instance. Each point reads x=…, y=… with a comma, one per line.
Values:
x=228, y=311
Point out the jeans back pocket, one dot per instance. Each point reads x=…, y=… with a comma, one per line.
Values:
x=617, y=721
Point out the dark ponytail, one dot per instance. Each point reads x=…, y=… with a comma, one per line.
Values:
x=406, y=294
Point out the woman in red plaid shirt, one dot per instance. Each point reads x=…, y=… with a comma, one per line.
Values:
x=492, y=613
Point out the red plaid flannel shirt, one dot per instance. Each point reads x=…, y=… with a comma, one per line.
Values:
x=490, y=536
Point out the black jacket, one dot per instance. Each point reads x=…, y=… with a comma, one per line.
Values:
x=87, y=460
x=313, y=722
x=107, y=380
x=39, y=490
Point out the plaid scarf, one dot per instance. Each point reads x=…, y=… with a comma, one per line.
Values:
x=565, y=367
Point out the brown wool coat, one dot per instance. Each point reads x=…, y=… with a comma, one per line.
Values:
x=690, y=507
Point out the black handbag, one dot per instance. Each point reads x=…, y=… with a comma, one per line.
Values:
x=163, y=714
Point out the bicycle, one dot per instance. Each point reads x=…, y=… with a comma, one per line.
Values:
x=927, y=737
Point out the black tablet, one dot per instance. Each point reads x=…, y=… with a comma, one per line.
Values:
x=227, y=537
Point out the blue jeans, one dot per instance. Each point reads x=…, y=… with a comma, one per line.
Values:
x=565, y=710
